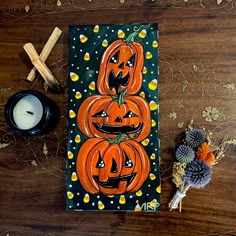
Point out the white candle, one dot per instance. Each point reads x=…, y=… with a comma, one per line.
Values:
x=27, y=112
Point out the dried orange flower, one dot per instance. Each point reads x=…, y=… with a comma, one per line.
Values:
x=203, y=153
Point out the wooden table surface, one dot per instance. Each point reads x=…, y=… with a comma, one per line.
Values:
x=197, y=70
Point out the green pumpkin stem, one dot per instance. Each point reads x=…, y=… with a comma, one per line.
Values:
x=120, y=138
x=121, y=97
x=131, y=36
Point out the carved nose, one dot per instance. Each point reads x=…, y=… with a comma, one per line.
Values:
x=121, y=66
x=114, y=167
x=118, y=119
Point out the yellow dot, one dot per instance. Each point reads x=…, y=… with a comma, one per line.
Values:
x=122, y=199
x=153, y=106
x=154, y=123
x=139, y=193
x=74, y=76
x=92, y=85
x=86, y=198
x=83, y=38
x=144, y=70
x=152, y=176
x=77, y=138
x=121, y=34
x=143, y=34
x=158, y=189
x=70, y=155
x=153, y=156
x=153, y=84
x=74, y=177
x=155, y=44
x=104, y=43
x=78, y=95
x=142, y=94
x=145, y=142
x=100, y=205
x=148, y=55
x=96, y=29
x=86, y=56
x=111, y=196
x=70, y=195
x=72, y=114
x=70, y=206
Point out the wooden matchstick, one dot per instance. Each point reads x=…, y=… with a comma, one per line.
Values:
x=46, y=51
x=42, y=68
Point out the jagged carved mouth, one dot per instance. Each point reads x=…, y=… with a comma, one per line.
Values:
x=114, y=182
x=117, y=81
x=113, y=129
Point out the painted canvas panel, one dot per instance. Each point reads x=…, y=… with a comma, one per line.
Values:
x=113, y=128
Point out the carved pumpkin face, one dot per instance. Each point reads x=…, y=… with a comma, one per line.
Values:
x=120, y=68
x=100, y=116
x=112, y=168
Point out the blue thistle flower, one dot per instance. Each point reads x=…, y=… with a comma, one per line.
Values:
x=184, y=153
x=197, y=174
x=195, y=137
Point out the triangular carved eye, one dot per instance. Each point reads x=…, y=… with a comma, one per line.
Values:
x=130, y=114
x=115, y=58
x=100, y=163
x=114, y=167
x=131, y=61
x=128, y=162
x=101, y=113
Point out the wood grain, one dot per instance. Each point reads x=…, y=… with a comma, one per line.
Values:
x=197, y=45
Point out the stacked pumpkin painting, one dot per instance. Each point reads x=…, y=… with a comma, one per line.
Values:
x=112, y=164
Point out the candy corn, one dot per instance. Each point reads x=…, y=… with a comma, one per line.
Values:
x=144, y=70
x=100, y=205
x=142, y=34
x=86, y=198
x=153, y=156
x=121, y=34
x=77, y=138
x=148, y=55
x=86, y=56
x=154, y=123
x=153, y=84
x=145, y=142
x=104, y=43
x=78, y=95
x=83, y=38
x=74, y=76
x=152, y=176
x=122, y=199
x=74, y=177
x=155, y=44
x=70, y=155
x=153, y=106
x=96, y=29
x=92, y=85
x=70, y=195
x=72, y=114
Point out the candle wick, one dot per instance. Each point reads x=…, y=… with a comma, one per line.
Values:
x=30, y=112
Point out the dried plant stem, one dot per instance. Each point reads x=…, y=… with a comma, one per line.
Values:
x=179, y=195
x=46, y=51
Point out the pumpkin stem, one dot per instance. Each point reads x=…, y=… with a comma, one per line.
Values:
x=120, y=138
x=131, y=37
x=121, y=97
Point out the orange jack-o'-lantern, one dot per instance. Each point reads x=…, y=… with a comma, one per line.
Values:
x=121, y=68
x=112, y=168
x=103, y=117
